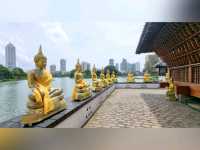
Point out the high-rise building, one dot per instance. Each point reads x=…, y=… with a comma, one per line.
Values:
x=117, y=66
x=85, y=66
x=111, y=62
x=124, y=66
x=53, y=69
x=137, y=67
x=131, y=67
x=10, y=53
x=63, y=65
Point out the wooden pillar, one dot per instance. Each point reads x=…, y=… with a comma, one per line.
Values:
x=189, y=72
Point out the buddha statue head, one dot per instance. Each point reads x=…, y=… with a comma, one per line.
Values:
x=94, y=69
x=113, y=73
x=78, y=66
x=102, y=70
x=40, y=60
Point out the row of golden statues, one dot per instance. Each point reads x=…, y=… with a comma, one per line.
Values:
x=82, y=89
x=45, y=101
x=131, y=79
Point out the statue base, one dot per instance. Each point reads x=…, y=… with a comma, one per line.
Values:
x=96, y=89
x=82, y=96
x=171, y=96
x=37, y=115
x=130, y=81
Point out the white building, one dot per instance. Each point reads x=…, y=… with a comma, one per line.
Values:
x=137, y=67
x=10, y=53
x=124, y=66
x=53, y=69
x=63, y=65
x=117, y=66
x=111, y=62
x=85, y=66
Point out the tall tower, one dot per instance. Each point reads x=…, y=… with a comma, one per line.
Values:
x=63, y=65
x=117, y=66
x=10, y=53
x=53, y=69
x=111, y=62
x=124, y=66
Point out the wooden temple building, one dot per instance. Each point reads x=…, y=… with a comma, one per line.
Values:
x=178, y=45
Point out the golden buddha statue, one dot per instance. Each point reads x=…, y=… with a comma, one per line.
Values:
x=167, y=77
x=171, y=90
x=44, y=100
x=113, y=77
x=81, y=89
x=130, y=78
x=147, y=77
x=108, y=77
x=104, y=82
x=96, y=84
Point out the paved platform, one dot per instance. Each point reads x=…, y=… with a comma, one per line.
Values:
x=143, y=108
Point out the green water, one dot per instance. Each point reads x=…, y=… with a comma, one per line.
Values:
x=13, y=95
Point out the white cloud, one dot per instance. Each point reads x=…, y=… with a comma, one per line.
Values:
x=120, y=34
x=55, y=32
x=23, y=10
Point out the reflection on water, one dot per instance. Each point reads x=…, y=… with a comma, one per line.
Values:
x=13, y=95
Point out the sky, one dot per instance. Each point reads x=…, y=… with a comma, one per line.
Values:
x=91, y=30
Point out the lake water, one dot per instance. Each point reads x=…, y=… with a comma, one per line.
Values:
x=13, y=95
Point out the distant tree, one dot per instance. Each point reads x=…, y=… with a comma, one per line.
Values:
x=71, y=73
x=87, y=74
x=111, y=68
x=18, y=73
x=5, y=73
x=98, y=73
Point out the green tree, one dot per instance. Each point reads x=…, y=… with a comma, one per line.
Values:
x=5, y=73
x=71, y=73
x=111, y=68
x=87, y=74
x=18, y=73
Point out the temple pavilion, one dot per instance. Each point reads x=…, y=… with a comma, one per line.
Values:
x=178, y=45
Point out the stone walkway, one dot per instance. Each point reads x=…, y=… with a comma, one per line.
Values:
x=139, y=108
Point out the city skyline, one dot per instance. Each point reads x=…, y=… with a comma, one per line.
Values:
x=58, y=63
x=62, y=62
x=89, y=34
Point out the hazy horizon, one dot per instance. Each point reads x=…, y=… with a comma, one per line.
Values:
x=93, y=31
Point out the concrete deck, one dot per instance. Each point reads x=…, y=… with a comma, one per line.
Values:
x=143, y=108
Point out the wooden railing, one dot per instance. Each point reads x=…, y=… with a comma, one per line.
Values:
x=183, y=73
x=180, y=74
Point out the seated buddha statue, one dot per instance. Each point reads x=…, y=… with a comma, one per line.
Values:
x=130, y=78
x=44, y=100
x=167, y=77
x=113, y=77
x=81, y=89
x=147, y=77
x=171, y=90
x=104, y=82
x=108, y=77
x=96, y=84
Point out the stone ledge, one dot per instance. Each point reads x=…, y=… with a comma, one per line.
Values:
x=153, y=85
x=72, y=107
x=78, y=113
